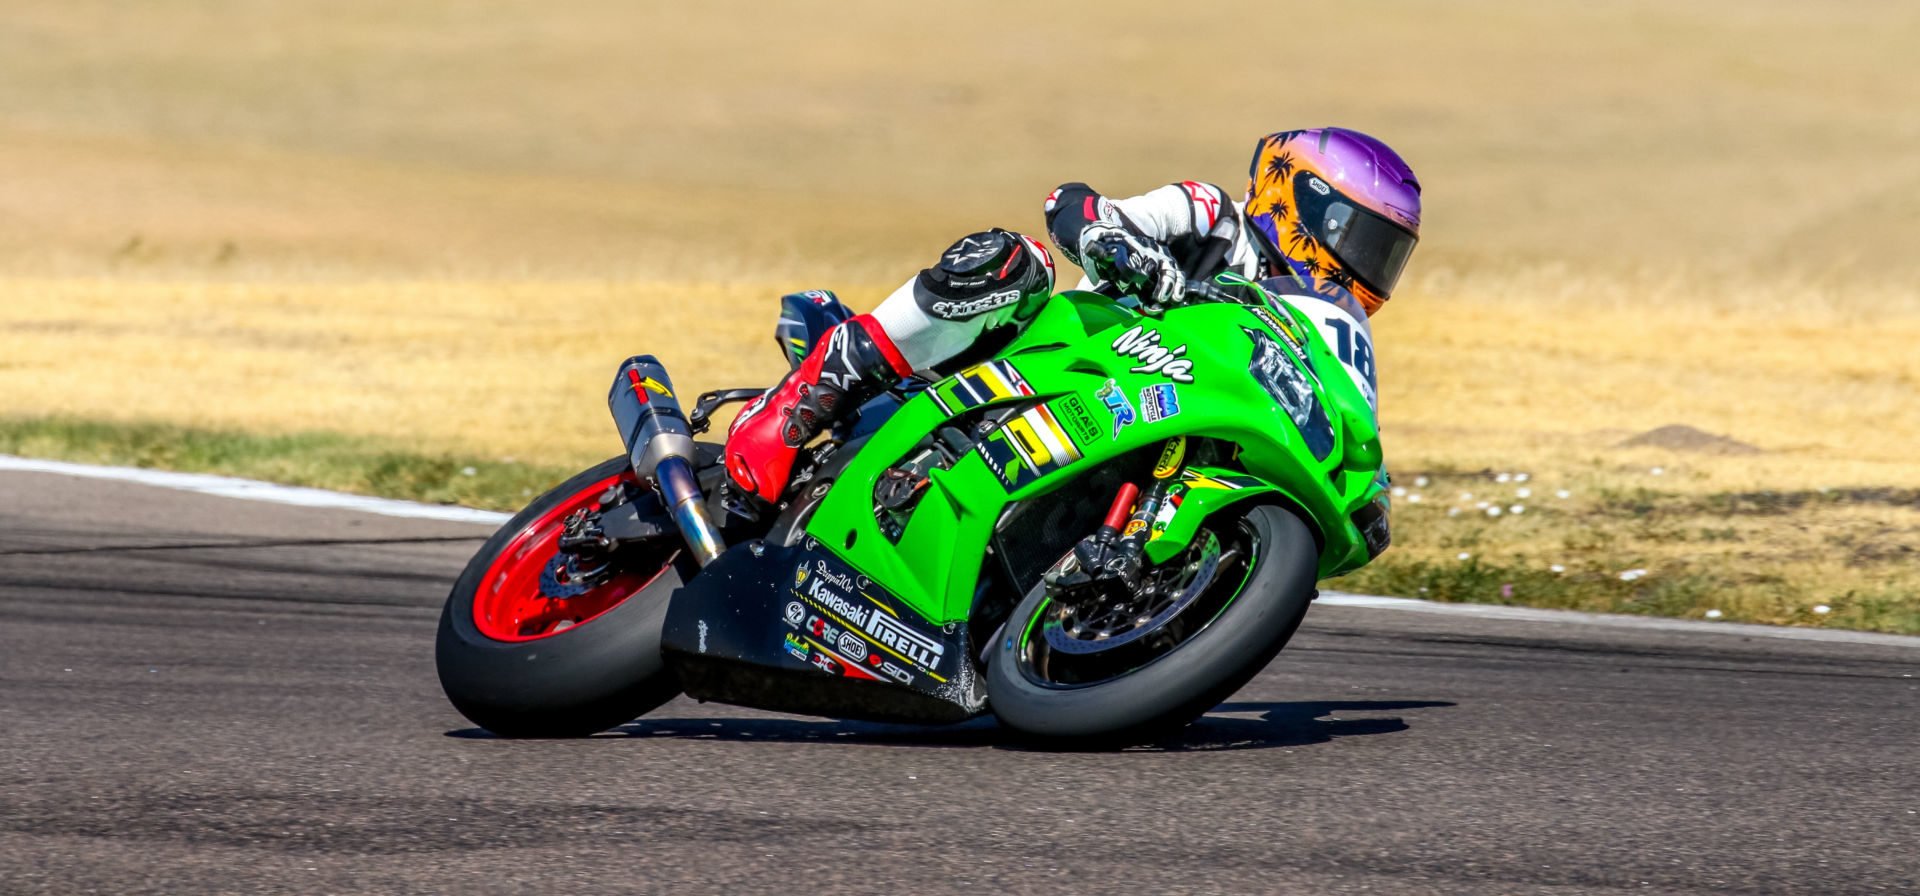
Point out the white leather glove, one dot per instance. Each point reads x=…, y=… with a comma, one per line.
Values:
x=1139, y=267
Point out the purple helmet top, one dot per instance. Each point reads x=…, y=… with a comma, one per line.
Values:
x=1366, y=170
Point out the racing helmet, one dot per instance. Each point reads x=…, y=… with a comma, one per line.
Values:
x=1335, y=206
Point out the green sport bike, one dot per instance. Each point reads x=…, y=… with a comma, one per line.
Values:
x=1096, y=532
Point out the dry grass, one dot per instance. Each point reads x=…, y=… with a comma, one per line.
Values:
x=620, y=139
x=1552, y=370
x=1471, y=377
x=439, y=225
x=496, y=367
x=1474, y=381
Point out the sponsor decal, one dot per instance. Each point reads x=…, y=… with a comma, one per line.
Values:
x=1117, y=405
x=656, y=386
x=826, y=598
x=1318, y=186
x=1158, y=402
x=1162, y=518
x=1027, y=447
x=795, y=613
x=837, y=579
x=859, y=627
x=892, y=670
x=852, y=646
x=912, y=646
x=828, y=664
x=1073, y=412
x=1171, y=456
x=818, y=296
x=1132, y=527
x=987, y=383
x=797, y=647
x=1143, y=345
x=971, y=307
x=703, y=635
x=1053, y=199
x=1191, y=480
x=799, y=575
x=1279, y=325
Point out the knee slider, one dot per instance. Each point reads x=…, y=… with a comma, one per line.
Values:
x=983, y=272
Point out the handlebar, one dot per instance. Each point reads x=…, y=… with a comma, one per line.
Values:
x=1208, y=291
x=1133, y=280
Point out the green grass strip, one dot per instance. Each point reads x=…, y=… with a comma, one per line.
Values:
x=1594, y=588
x=356, y=464
x=385, y=468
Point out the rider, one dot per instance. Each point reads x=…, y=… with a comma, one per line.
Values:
x=1329, y=218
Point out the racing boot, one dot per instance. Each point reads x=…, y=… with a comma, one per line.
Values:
x=852, y=364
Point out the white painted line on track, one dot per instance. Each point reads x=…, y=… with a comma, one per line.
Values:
x=1614, y=620
x=254, y=490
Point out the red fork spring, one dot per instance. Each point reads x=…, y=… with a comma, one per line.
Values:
x=1122, y=506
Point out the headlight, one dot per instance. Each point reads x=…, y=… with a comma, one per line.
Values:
x=1276, y=372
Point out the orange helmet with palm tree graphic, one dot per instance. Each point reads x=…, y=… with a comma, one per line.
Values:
x=1335, y=206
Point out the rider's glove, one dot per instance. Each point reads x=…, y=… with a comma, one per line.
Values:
x=1140, y=267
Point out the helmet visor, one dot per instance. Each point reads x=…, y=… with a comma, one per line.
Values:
x=1371, y=246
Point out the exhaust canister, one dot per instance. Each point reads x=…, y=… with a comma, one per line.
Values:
x=649, y=417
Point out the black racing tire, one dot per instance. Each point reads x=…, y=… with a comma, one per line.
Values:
x=1178, y=687
x=585, y=679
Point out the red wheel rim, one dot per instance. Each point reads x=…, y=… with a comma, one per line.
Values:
x=508, y=605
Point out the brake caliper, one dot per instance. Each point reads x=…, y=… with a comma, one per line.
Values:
x=585, y=558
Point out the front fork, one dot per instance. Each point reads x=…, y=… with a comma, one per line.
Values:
x=1115, y=550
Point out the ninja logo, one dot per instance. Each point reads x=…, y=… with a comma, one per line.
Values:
x=1143, y=345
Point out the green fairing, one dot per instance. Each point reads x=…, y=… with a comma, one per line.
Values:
x=1065, y=357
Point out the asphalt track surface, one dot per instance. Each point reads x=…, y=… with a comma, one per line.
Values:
x=202, y=695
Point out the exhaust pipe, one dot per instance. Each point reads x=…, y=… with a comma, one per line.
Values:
x=660, y=445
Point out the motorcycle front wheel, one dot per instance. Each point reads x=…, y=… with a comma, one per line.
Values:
x=524, y=655
x=1109, y=673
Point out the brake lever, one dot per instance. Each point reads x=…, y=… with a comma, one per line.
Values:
x=708, y=402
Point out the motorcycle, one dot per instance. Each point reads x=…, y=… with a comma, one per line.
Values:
x=1096, y=532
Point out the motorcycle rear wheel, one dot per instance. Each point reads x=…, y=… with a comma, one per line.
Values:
x=521, y=664
x=1030, y=695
